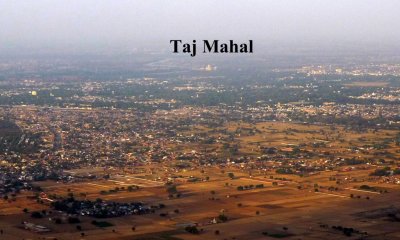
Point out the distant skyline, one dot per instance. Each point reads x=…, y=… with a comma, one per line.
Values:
x=64, y=25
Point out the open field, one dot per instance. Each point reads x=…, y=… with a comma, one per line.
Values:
x=249, y=212
x=289, y=206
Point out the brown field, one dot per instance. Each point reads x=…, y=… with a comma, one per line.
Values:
x=301, y=211
x=17, y=204
x=290, y=207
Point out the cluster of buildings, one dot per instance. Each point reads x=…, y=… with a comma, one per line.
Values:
x=109, y=139
x=372, y=69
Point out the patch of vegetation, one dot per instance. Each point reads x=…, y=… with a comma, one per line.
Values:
x=381, y=172
x=172, y=189
x=249, y=187
x=346, y=231
x=353, y=161
x=222, y=218
x=367, y=187
x=73, y=220
x=278, y=235
x=102, y=224
x=192, y=229
x=36, y=215
x=284, y=171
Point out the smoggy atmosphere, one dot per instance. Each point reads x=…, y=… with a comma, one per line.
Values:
x=87, y=25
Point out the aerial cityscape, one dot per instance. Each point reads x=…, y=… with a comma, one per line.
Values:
x=149, y=144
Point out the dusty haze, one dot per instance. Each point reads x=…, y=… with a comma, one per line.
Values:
x=92, y=24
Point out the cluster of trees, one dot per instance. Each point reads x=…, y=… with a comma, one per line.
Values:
x=99, y=208
x=386, y=171
x=358, y=196
x=367, y=187
x=222, y=218
x=37, y=214
x=248, y=187
x=102, y=224
x=284, y=171
x=353, y=161
x=192, y=229
x=118, y=189
x=346, y=231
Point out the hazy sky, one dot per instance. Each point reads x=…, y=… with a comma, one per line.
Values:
x=116, y=23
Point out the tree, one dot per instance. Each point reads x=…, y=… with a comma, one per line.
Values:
x=223, y=218
x=73, y=220
x=381, y=172
x=36, y=215
x=192, y=229
x=172, y=189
